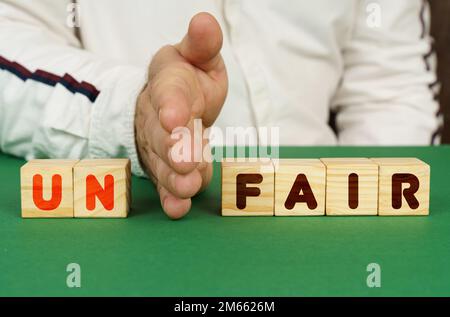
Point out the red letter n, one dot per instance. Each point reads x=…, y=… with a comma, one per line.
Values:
x=105, y=194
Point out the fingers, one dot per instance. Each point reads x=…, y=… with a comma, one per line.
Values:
x=189, y=80
x=201, y=47
x=202, y=43
x=186, y=81
x=166, y=146
x=175, y=190
x=174, y=207
x=172, y=96
x=206, y=173
x=180, y=185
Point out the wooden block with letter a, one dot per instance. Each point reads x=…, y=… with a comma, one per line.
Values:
x=352, y=187
x=247, y=188
x=300, y=187
x=404, y=187
x=102, y=188
x=47, y=188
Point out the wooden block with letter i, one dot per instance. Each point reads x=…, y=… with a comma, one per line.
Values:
x=47, y=188
x=102, y=188
x=404, y=187
x=300, y=187
x=247, y=188
x=352, y=187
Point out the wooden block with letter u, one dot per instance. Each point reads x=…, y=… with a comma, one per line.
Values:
x=102, y=188
x=247, y=188
x=404, y=187
x=47, y=188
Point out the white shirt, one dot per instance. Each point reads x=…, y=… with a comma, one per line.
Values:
x=289, y=63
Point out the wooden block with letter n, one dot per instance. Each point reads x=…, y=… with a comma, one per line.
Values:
x=404, y=187
x=300, y=187
x=247, y=188
x=352, y=187
x=47, y=188
x=102, y=188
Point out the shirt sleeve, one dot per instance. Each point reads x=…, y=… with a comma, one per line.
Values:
x=386, y=92
x=56, y=99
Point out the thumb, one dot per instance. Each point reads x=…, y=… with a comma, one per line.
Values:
x=201, y=45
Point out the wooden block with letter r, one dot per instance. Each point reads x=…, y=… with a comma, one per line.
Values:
x=300, y=187
x=404, y=187
x=102, y=188
x=352, y=187
x=47, y=188
x=247, y=188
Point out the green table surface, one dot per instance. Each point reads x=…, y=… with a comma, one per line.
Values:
x=205, y=254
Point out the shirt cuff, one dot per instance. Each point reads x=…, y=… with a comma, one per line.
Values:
x=112, y=120
x=129, y=132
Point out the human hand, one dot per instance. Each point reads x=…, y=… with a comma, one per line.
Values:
x=186, y=81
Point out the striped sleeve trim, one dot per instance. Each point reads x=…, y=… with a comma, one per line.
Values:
x=71, y=84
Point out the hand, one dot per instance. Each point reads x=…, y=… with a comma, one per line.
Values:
x=186, y=81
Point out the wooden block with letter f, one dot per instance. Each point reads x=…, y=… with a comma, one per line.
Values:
x=404, y=187
x=47, y=188
x=102, y=188
x=247, y=187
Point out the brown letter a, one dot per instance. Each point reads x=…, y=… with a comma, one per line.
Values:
x=397, y=181
x=301, y=184
x=242, y=191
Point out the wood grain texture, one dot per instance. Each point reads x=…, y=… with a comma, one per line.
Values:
x=47, y=169
x=337, y=186
x=390, y=166
x=120, y=169
x=286, y=173
x=261, y=205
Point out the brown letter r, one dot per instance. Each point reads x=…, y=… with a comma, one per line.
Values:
x=397, y=181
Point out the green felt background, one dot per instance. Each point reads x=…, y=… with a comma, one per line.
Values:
x=208, y=255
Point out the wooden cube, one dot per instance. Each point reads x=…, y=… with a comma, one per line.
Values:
x=247, y=188
x=47, y=188
x=404, y=187
x=102, y=188
x=300, y=187
x=352, y=187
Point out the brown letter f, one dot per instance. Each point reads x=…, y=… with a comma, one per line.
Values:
x=242, y=191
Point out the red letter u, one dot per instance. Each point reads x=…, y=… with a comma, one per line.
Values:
x=38, y=198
